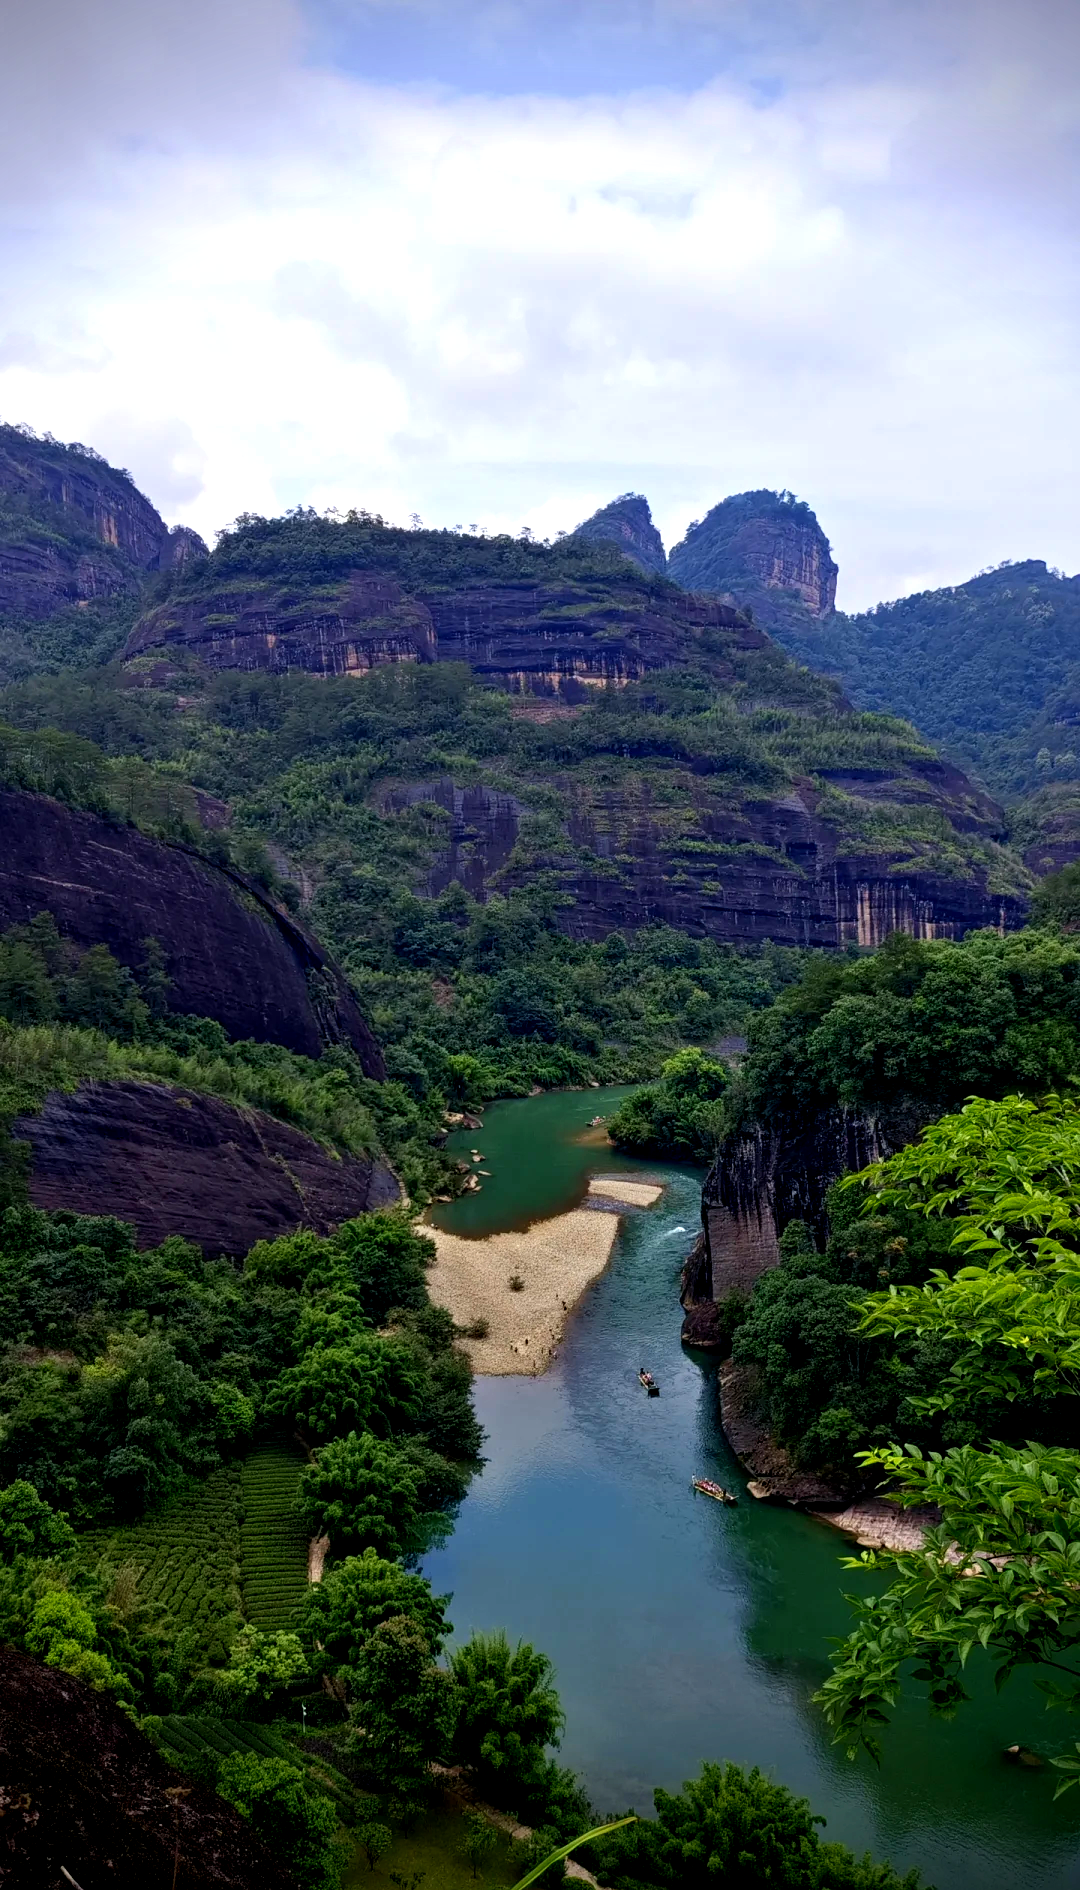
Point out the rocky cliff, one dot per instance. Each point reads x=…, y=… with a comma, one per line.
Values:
x=230, y=952
x=74, y=529
x=627, y=524
x=553, y=638
x=760, y=1182
x=765, y=549
x=174, y=1161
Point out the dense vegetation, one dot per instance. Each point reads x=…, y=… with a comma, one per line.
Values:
x=681, y=1117
x=987, y=669
x=999, y=1180
x=909, y=1032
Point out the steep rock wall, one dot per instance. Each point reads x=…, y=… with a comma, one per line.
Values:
x=174, y=1161
x=761, y=1181
x=230, y=952
x=547, y=639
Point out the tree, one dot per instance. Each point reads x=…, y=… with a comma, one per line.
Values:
x=356, y=1596
x=508, y=1712
x=739, y=1830
x=376, y=1840
x=297, y=1824
x=362, y=1494
x=29, y=1526
x=363, y=1383
x=681, y=1117
x=262, y=1664
x=998, y=1576
x=401, y=1711
x=480, y=1840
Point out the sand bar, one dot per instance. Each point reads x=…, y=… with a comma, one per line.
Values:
x=634, y=1193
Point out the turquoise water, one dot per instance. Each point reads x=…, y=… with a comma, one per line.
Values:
x=681, y=1630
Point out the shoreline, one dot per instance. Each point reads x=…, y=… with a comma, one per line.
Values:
x=556, y=1261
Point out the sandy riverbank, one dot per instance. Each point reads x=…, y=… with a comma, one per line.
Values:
x=556, y=1262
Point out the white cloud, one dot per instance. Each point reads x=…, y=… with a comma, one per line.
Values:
x=269, y=284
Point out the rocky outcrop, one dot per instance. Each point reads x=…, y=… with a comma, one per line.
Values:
x=230, y=952
x=756, y=543
x=779, y=1173
x=176, y=1161
x=627, y=524
x=344, y=629
x=73, y=528
x=773, y=1476
x=85, y=1800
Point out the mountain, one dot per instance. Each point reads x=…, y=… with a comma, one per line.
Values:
x=989, y=670
x=646, y=753
x=77, y=540
x=768, y=552
x=627, y=524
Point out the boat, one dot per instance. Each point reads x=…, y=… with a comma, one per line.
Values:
x=646, y=1378
x=715, y=1490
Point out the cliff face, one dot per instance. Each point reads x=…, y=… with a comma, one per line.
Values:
x=761, y=1182
x=761, y=868
x=627, y=524
x=230, y=952
x=173, y=1161
x=73, y=528
x=556, y=639
x=756, y=543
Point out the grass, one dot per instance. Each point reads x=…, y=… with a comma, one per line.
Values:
x=432, y=1849
x=273, y=1545
x=185, y=1563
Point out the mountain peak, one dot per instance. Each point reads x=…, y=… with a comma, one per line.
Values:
x=627, y=524
x=756, y=543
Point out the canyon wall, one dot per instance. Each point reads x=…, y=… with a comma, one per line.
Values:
x=230, y=952
x=175, y=1161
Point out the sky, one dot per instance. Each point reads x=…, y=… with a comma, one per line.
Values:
x=494, y=263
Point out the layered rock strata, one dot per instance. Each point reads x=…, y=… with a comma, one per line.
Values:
x=230, y=952
x=176, y=1161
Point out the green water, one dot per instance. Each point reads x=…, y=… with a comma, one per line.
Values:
x=680, y=1630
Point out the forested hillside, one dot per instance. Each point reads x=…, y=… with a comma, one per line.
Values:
x=987, y=670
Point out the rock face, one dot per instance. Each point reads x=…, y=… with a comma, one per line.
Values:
x=175, y=1161
x=86, y=1800
x=762, y=868
x=762, y=1181
x=73, y=528
x=554, y=639
x=627, y=524
x=756, y=543
x=230, y=952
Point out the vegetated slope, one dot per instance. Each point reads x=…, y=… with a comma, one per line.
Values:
x=650, y=754
x=988, y=669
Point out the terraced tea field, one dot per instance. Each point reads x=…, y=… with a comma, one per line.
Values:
x=273, y=1546
x=183, y=1737
x=186, y=1562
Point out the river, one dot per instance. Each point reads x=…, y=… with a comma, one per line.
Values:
x=680, y=1630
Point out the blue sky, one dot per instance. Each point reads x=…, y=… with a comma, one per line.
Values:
x=495, y=263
